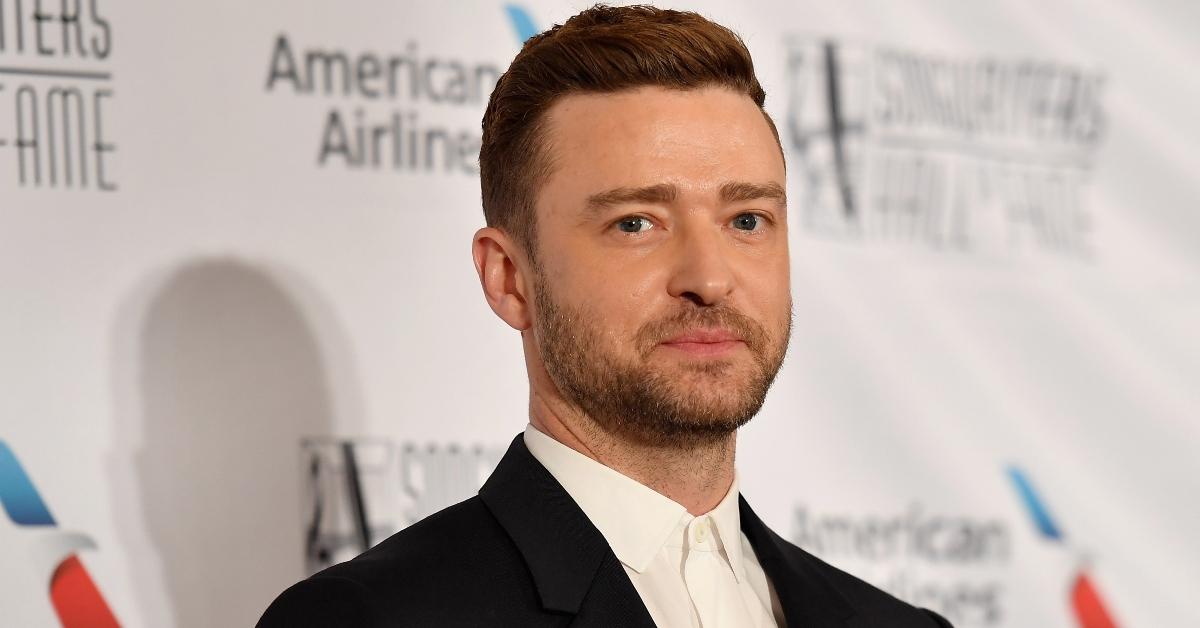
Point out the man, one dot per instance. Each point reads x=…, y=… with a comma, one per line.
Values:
x=633, y=187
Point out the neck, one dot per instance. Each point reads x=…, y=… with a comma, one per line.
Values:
x=697, y=478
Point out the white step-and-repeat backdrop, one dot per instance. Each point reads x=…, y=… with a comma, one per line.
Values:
x=241, y=336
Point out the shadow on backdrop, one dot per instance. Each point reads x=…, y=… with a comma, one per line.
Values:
x=222, y=368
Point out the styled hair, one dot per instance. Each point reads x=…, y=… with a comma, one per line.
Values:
x=603, y=49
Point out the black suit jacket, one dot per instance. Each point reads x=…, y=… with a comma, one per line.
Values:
x=522, y=553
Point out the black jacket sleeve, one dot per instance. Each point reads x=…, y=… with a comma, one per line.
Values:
x=937, y=619
x=326, y=602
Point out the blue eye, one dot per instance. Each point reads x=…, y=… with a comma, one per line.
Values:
x=746, y=222
x=634, y=224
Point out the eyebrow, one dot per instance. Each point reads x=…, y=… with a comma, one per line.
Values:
x=738, y=191
x=664, y=193
x=661, y=193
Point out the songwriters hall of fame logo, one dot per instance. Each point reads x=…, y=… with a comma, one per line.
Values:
x=55, y=94
x=360, y=491
x=969, y=154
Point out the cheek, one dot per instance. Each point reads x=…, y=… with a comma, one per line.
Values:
x=769, y=288
x=624, y=302
x=605, y=280
x=618, y=298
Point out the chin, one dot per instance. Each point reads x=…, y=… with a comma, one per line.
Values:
x=716, y=376
x=716, y=405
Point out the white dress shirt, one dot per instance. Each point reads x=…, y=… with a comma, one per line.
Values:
x=689, y=571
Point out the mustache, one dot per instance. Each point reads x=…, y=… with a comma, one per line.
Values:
x=691, y=317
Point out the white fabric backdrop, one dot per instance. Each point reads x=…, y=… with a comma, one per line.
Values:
x=1014, y=292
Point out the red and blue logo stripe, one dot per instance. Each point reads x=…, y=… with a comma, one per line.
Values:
x=1086, y=603
x=72, y=592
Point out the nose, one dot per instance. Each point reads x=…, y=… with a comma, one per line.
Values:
x=702, y=272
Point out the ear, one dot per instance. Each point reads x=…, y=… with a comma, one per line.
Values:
x=499, y=262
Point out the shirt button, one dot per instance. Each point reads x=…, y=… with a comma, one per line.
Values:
x=701, y=530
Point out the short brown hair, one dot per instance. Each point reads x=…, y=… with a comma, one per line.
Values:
x=603, y=49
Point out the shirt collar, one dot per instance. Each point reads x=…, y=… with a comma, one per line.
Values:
x=728, y=521
x=635, y=519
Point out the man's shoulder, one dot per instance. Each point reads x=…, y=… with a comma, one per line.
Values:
x=431, y=572
x=446, y=541
x=872, y=605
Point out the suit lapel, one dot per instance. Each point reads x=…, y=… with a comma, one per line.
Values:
x=808, y=599
x=573, y=568
x=576, y=572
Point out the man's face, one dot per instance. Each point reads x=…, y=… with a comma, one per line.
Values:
x=662, y=299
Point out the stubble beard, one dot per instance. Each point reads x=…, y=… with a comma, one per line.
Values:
x=639, y=401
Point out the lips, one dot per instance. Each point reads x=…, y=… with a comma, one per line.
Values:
x=704, y=343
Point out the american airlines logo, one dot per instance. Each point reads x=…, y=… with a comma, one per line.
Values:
x=391, y=111
x=961, y=565
x=36, y=557
x=1087, y=604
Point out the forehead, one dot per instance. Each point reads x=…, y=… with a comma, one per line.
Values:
x=695, y=139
